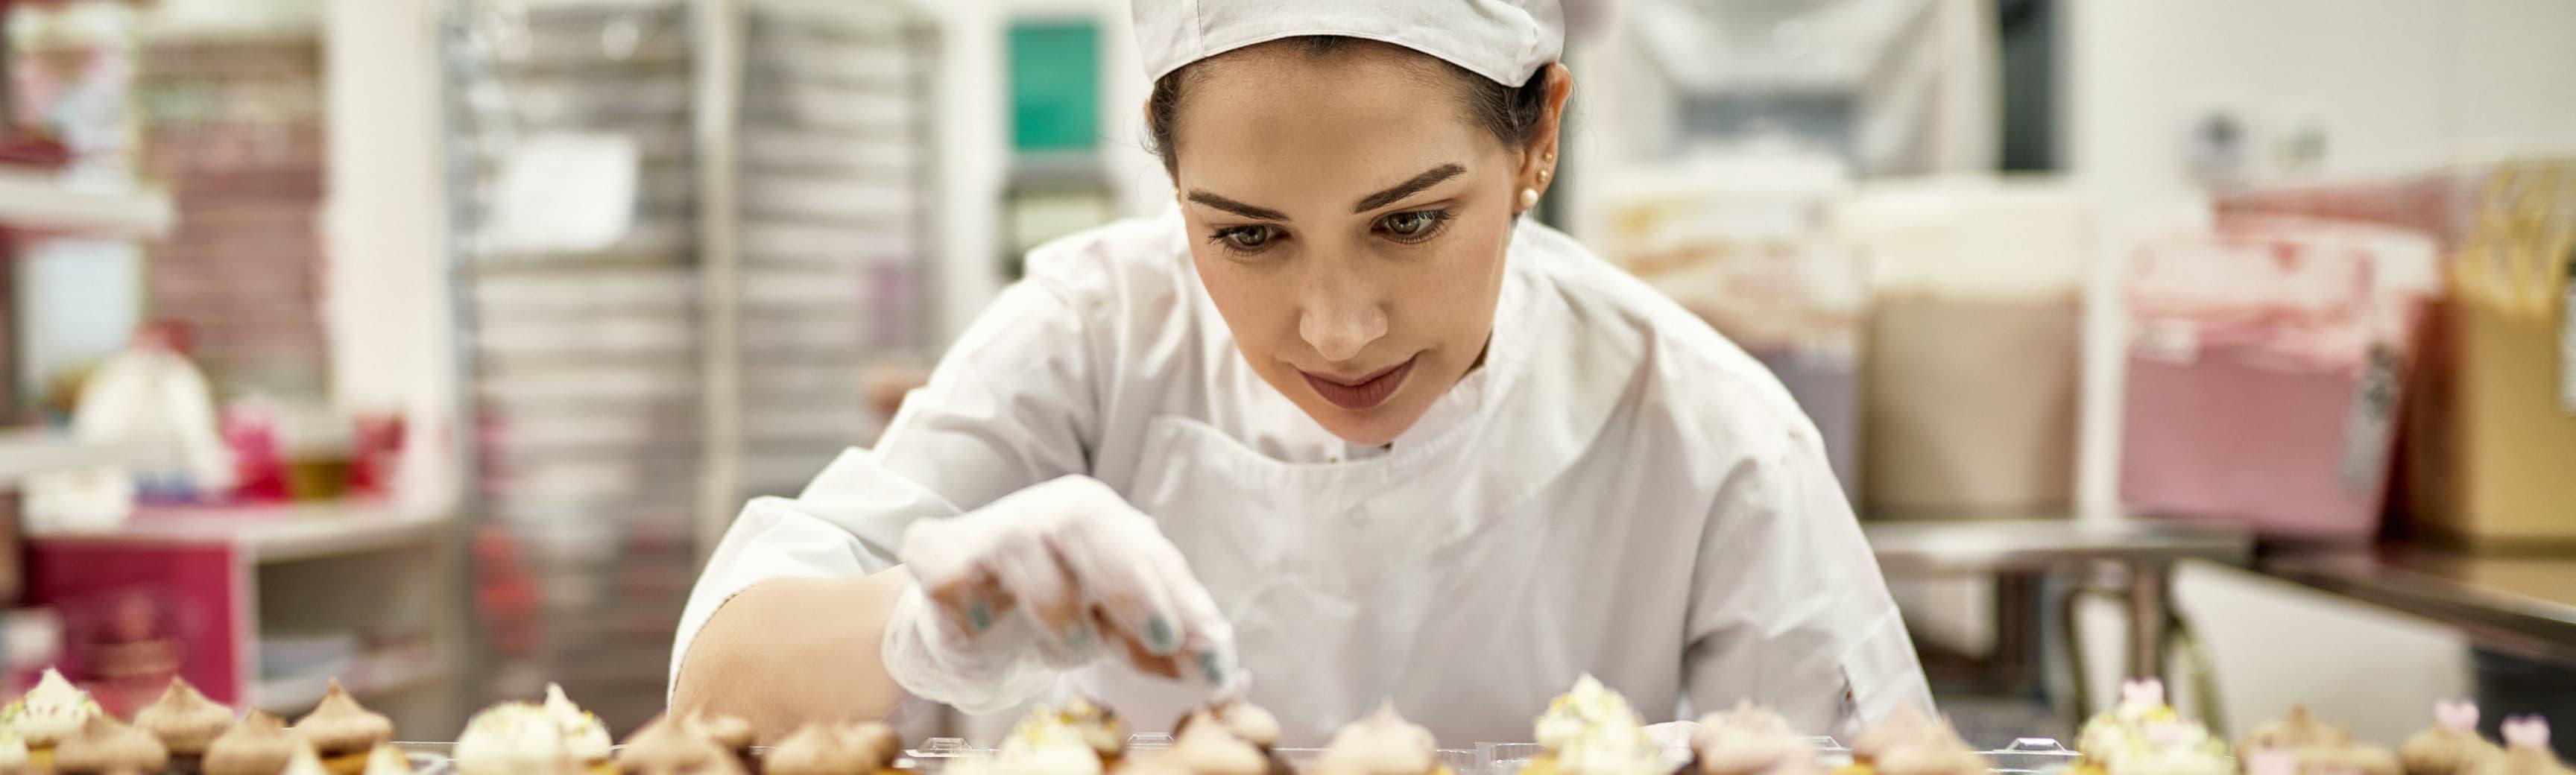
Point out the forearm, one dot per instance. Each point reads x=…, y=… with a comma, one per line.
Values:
x=790, y=649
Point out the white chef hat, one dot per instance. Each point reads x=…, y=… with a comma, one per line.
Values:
x=1503, y=40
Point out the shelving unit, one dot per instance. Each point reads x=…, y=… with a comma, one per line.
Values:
x=636, y=391
x=40, y=202
x=27, y=451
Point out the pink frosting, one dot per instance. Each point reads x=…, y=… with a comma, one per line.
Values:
x=2456, y=715
x=2526, y=732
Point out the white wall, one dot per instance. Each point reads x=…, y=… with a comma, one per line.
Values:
x=386, y=297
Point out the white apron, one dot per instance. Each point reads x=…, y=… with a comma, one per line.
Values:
x=1617, y=490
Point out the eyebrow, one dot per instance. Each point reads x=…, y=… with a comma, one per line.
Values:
x=1238, y=208
x=1427, y=179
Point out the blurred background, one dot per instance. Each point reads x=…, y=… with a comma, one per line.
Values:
x=429, y=344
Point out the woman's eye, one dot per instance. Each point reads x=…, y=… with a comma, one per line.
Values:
x=1412, y=226
x=1247, y=238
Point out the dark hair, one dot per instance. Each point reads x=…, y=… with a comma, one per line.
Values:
x=1510, y=113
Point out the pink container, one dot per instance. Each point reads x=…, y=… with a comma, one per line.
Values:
x=2265, y=361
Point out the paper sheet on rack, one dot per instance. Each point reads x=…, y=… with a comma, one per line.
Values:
x=563, y=192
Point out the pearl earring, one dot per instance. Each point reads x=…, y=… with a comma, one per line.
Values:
x=1543, y=175
x=1529, y=198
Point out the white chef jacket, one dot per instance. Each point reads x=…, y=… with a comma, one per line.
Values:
x=1618, y=490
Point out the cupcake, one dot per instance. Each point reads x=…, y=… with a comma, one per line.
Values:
x=1048, y=742
x=819, y=748
x=258, y=745
x=1749, y=741
x=2451, y=746
x=1099, y=726
x=1590, y=730
x=302, y=760
x=2526, y=751
x=667, y=747
x=1245, y=721
x=2319, y=746
x=1382, y=744
x=2298, y=730
x=51, y=711
x=514, y=738
x=388, y=760
x=1209, y=746
x=342, y=731
x=583, y=736
x=1899, y=727
x=185, y=722
x=104, y=745
x=731, y=732
x=13, y=754
x=2145, y=736
x=879, y=745
x=1939, y=753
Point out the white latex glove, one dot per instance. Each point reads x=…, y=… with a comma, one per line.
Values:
x=1043, y=580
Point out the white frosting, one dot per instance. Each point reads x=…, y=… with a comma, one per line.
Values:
x=514, y=738
x=52, y=710
x=1382, y=744
x=13, y=753
x=387, y=760
x=583, y=734
x=1208, y=747
x=1045, y=745
x=1250, y=722
x=1588, y=705
x=305, y=762
x=1751, y=740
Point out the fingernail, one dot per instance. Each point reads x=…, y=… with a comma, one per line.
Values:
x=1160, y=632
x=1213, y=667
x=980, y=614
x=1080, y=638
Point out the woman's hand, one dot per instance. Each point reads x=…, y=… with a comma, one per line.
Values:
x=1044, y=580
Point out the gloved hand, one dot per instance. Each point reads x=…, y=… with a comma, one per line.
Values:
x=1043, y=580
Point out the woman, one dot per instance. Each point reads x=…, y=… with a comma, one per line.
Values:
x=1346, y=428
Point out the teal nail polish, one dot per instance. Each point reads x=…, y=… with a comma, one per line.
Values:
x=1160, y=633
x=980, y=614
x=1215, y=668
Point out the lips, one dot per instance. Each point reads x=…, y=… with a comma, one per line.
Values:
x=1364, y=392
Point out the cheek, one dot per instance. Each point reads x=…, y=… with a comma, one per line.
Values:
x=1452, y=294
x=1248, y=300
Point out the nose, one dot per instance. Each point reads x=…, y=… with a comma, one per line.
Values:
x=1341, y=313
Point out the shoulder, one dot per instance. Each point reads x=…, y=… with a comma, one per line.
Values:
x=1123, y=267
x=1688, y=379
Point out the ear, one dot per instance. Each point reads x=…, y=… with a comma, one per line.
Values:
x=1538, y=159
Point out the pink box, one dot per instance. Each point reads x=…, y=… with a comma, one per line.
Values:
x=2265, y=363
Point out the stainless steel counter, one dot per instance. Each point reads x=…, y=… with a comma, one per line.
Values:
x=2018, y=545
x=2524, y=604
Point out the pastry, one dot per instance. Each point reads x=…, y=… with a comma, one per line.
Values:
x=1047, y=743
x=1247, y=722
x=1590, y=730
x=2451, y=746
x=1208, y=746
x=668, y=747
x=2145, y=736
x=1749, y=741
x=1904, y=725
x=13, y=754
x=878, y=744
x=2298, y=730
x=52, y=710
x=514, y=738
x=2526, y=751
x=104, y=745
x=258, y=745
x=388, y=760
x=729, y=732
x=1941, y=753
x=818, y=748
x=185, y=722
x=342, y=731
x=1382, y=744
x=584, y=737
x=1100, y=727
x=301, y=760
